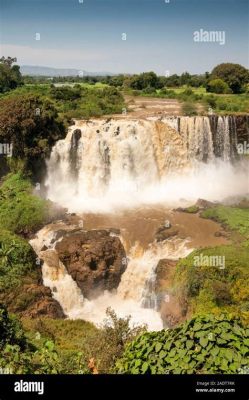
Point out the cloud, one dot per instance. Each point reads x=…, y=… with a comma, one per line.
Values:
x=66, y=58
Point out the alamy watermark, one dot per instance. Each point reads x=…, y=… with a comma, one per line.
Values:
x=6, y=149
x=23, y=386
x=210, y=36
x=243, y=148
x=209, y=261
x=6, y=370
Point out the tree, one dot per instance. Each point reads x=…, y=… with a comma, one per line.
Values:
x=32, y=125
x=10, y=76
x=144, y=80
x=108, y=344
x=173, y=81
x=218, y=86
x=235, y=75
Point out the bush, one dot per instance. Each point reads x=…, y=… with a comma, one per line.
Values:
x=17, y=259
x=189, y=109
x=20, y=210
x=149, y=90
x=11, y=330
x=235, y=75
x=203, y=345
x=108, y=344
x=218, y=86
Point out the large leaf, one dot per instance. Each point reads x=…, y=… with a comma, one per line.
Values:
x=203, y=341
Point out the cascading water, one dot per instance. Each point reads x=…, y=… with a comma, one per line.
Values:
x=107, y=166
x=131, y=294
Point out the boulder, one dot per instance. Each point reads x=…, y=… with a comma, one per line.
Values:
x=165, y=232
x=95, y=259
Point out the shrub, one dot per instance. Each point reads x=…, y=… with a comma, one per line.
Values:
x=108, y=344
x=203, y=345
x=218, y=86
x=11, y=330
x=20, y=210
x=17, y=259
x=189, y=109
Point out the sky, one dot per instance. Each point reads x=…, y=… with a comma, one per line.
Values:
x=87, y=34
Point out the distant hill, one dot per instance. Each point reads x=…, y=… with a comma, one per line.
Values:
x=50, y=72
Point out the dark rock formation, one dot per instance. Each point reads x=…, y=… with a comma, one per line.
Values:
x=43, y=304
x=164, y=233
x=32, y=300
x=202, y=204
x=94, y=259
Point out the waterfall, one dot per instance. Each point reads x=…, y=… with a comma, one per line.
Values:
x=131, y=294
x=107, y=166
x=172, y=249
x=104, y=165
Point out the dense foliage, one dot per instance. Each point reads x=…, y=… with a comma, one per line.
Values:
x=218, y=86
x=204, y=344
x=77, y=101
x=31, y=125
x=17, y=259
x=212, y=289
x=10, y=76
x=235, y=75
x=21, y=210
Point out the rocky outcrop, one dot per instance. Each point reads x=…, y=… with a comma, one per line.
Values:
x=44, y=305
x=32, y=300
x=172, y=309
x=165, y=232
x=95, y=260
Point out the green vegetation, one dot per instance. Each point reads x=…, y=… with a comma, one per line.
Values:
x=104, y=345
x=203, y=345
x=234, y=218
x=189, y=108
x=21, y=211
x=79, y=101
x=19, y=355
x=192, y=209
x=17, y=259
x=63, y=346
x=10, y=76
x=235, y=75
x=212, y=289
x=218, y=86
x=32, y=126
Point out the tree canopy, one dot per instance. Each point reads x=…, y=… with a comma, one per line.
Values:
x=10, y=75
x=31, y=124
x=235, y=75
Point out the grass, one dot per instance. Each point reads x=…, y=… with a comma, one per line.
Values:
x=199, y=90
x=233, y=218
